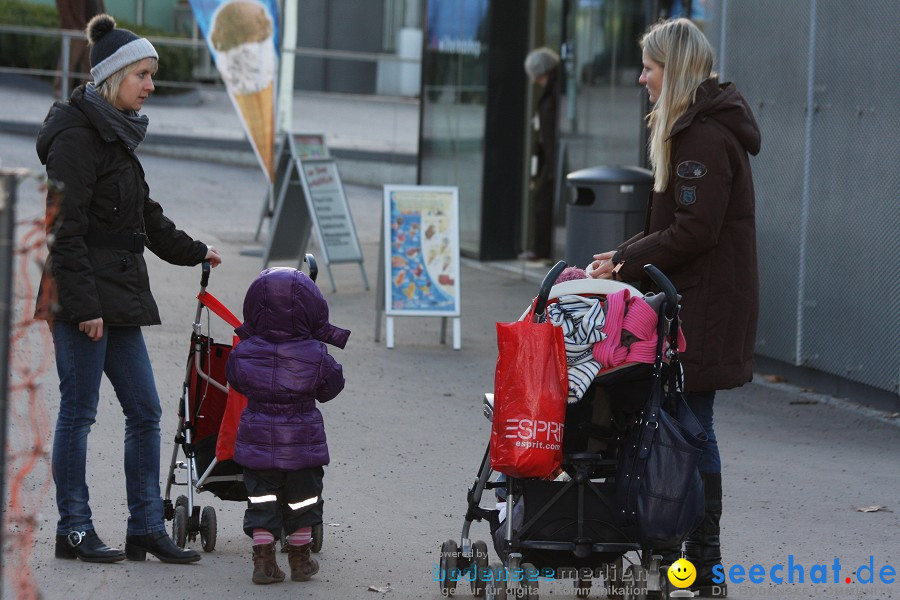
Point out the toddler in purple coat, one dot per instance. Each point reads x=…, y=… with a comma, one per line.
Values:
x=283, y=367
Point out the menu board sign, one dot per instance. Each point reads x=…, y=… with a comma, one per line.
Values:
x=331, y=215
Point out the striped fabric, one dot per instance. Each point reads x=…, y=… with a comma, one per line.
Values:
x=581, y=319
x=301, y=537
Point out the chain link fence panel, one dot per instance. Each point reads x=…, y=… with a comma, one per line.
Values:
x=827, y=178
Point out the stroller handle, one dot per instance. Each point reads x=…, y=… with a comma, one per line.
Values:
x=204, y=277
x=313, y=266
x=667, y=288
x=546, y=284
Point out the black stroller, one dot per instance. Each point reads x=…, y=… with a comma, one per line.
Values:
x=567, y=528
x=207, y=428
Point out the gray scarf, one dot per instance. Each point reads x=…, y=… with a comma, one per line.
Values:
x=128, y=125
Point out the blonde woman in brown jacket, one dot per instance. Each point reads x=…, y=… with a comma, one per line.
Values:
x=700, y=231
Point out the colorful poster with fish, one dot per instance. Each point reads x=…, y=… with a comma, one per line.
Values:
x=422, y=250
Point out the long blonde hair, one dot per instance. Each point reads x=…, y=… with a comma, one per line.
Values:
x=687, y=60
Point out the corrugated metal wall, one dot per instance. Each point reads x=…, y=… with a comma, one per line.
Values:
x=827, y=179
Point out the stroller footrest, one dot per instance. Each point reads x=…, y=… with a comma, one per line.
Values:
x=587, y=457
x=483, y=514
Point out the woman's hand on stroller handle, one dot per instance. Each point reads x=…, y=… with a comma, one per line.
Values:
x=212, y=259
x=212, y=256
x=602, y=266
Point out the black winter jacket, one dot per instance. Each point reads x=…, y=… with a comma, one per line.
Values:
x=104, y=195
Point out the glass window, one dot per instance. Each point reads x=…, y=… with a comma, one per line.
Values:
x=604, y=116
x=451, y=151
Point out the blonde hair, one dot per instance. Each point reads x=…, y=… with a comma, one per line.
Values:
x=109, y=87
x=687, y=60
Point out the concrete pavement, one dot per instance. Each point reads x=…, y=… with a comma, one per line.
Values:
x=801, y=471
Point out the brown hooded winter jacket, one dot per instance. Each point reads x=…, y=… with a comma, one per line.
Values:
x=701, y=233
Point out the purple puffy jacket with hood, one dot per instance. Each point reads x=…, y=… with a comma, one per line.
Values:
x=283, y=367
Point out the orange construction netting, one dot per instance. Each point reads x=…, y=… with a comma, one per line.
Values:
x=28, y=423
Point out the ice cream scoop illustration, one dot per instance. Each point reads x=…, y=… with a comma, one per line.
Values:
x=245, y=56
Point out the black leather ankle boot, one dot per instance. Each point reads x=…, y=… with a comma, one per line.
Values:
x=86, y=546
x=159, y=545
x=702, y=547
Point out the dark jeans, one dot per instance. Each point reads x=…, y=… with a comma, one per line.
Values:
x=80, y=363
x=701, y=403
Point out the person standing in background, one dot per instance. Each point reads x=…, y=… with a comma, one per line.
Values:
x=542, y=66
x=75, y=14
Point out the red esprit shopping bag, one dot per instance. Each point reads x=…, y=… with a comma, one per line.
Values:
x=530, y=390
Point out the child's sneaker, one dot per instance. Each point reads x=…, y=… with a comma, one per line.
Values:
x=265, y=569
x=302, y=566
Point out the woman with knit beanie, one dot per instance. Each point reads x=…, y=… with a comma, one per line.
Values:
x=95, y=291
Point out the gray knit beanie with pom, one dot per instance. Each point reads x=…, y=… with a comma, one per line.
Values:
x=113, y=49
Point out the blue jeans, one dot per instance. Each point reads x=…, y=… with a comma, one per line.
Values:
x=701, y=404
x=80, y=363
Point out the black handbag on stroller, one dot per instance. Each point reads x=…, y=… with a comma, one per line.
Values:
x=659, y=492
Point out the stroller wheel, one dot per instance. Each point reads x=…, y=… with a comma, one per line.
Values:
x=180, y=526
x=496, y=586
x=448, y=571
x=208, y=528
x=665, y=589
x=613, y=578
x=582, y=587
x=317, y=534
x=634, y=583
x=530, y=580
x=181, y=501
x=480, y=568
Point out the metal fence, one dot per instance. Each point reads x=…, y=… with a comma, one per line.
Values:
x=827, y=179
x=204, y=62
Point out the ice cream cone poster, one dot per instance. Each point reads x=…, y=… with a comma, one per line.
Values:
x=422, y=250
x=242, y=37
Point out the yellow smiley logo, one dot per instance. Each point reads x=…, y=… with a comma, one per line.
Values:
x=682, y=573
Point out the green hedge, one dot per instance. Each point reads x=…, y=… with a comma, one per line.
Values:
x=42, y=52
x=28, y=51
